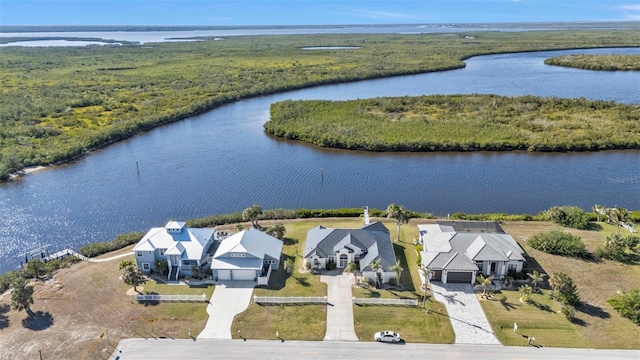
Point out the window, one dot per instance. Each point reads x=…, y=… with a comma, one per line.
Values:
x=512, y=267
x=139, y=253
x=162, y=252
x=237, y=255
x=150, y=252
x=145, y=267
x=269, y=261
x=479, y=265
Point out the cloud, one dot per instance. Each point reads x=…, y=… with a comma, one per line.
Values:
x=382, y=15
x=632, y=12
x=630, y=7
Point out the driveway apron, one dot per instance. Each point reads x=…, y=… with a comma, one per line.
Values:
x=228, y=300
x=340, y=307
x=468, y=320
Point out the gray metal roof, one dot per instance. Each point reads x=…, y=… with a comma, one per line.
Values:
x=474, y=226
x=374, y=238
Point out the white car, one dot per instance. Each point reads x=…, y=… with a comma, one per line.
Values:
x=387, y=336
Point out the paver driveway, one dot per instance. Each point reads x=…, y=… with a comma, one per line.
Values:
x=340, y=307
x=229, y=299
x=467, y=317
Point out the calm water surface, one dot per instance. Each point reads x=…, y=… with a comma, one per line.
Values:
x=222, y=161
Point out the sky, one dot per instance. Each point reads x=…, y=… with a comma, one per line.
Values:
x=310, y=12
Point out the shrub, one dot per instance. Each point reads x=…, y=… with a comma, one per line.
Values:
x=564, y=290
x=392, y=281
x=627, y=304
x=6, y=279
x=569, y=216
x=119, y=242
x=558, y=242
x=568, y=311
x=331, y=265
x=618, y=248
x=278, y=230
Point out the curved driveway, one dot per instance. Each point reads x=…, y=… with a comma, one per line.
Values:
x=228, y=300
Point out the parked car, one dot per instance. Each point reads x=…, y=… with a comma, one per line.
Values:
x=387, y=336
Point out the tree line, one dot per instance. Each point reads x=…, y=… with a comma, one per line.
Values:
x=607, y=62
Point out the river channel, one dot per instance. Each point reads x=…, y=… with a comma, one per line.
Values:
x=222, y=162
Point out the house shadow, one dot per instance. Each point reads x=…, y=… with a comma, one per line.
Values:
x=405, y=277
x=4, y=319
x=38, y=321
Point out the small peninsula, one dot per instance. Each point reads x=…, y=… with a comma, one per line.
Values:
x=459, y=123
x=606, y=62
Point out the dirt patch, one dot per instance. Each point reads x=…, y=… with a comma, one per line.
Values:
x=135, y=292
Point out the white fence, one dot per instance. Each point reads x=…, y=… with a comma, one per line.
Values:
x=190, y=298
x=378, y=301
x=290, y=300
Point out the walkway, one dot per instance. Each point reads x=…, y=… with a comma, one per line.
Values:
x=229, y=299
x=110, y=258
x=467, y=317
x=339, y=307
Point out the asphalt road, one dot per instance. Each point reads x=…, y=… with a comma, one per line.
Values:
x=309, y=350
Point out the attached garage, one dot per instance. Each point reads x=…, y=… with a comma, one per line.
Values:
x=437, y=275
x=244, y=274
x=459, y=277
x=224, y=274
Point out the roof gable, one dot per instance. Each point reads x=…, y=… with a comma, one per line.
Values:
x=191, y=243
x=252, y=242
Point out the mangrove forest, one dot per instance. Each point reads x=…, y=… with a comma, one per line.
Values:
x=607, y=62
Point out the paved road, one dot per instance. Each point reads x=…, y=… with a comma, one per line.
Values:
x=229, y=299
x=133, y=349
x=340, y=307
x=465, y=312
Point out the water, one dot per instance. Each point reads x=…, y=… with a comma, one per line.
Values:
x=222, y=161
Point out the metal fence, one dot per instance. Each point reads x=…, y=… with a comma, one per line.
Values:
x=377, y=301
x=189, y=298
x=290, y=300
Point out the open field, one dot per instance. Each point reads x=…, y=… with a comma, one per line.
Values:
x=59, y=103
x=80, y=303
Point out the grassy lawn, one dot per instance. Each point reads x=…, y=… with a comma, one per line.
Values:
x=307, y=322
x=597, y=324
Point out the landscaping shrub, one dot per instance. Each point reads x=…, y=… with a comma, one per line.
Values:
x=569, y=216
x=6, y=279
x=119, y=242
x=619, y=248
x=558, y=242
x=627, y=304
x=564, y=290
x=568, y=311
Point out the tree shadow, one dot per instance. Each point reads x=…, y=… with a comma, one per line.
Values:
x=507, y=305
x=151, y=302
x=289, y=241
x=594, y=226
x=593, y=310
x=372, y=294
x=579, y=322
x=38, y=321
x=546, y=308
x=4, y=319
x=302, y=281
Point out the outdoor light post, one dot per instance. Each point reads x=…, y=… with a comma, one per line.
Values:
x=241, y=337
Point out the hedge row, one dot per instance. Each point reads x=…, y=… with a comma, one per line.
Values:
x=122, y=240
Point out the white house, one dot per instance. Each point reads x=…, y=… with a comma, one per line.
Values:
x=182, y=247
x=361, y=246
x=247, y=255
x=458, y=251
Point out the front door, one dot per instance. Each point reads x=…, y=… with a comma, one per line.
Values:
x=175, y=261
x=343, y=260
x=493, y=267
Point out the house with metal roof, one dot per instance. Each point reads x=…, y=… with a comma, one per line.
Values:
x=361, y=246
x=248, y=255
x=183, y=248
x=456, y=252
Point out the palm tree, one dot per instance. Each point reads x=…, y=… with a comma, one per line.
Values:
x=132, y=275
x=351, y=267
x=525, y=293
x=398, y=269
x=399, y=213
x=486, y=283
x=536, y=278
x=252, y=213
x=598, y=210
x=376, y=266
x=619, y=215
x=427, y=273
x=558, y=282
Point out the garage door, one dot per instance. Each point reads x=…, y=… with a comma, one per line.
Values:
x=224, y=274
x=459, y=277
x=244, y=274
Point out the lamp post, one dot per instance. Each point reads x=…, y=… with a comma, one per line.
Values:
x=241, y=337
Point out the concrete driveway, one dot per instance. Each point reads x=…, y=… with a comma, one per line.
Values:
x=229, y=299
x=468, y=320
x=340, y=306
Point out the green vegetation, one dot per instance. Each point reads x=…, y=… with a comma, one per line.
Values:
x=458, y=123
x=21, y=294
x=564, y=290
x=558, y=242
x=624, y=249
x=132, y=274
x=122, y=240
x=58, y=103
x=597, y=62
x=627, y=303
x=569, y=216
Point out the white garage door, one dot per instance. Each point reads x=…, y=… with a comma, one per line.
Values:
x=244, y=274
x=224, y=274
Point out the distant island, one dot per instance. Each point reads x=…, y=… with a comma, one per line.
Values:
x=608, y=62
x=459, y=123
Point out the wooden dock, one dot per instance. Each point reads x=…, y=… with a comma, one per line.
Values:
x=63, y=254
